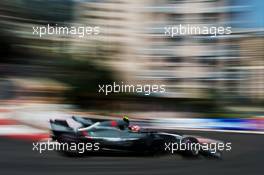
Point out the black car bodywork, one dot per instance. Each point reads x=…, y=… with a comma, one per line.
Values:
x=115, y=137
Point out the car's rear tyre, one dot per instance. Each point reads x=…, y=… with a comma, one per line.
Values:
x=68, y=139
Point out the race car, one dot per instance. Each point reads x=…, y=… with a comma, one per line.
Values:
x=118, y=136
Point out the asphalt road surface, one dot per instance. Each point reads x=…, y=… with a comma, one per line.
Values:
x=246, y=157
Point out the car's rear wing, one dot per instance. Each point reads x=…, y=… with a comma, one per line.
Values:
x=59, y=127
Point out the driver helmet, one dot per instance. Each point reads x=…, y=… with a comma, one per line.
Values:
x=125, y=119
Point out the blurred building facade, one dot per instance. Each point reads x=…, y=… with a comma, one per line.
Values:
x=133, y=45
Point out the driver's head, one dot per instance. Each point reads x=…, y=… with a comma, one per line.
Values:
x=125, y=119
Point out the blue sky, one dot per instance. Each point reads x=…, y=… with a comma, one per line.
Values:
x=253, y=16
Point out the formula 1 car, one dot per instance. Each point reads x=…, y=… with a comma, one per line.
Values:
x=117, y=136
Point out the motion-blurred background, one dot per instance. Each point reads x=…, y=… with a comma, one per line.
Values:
x=205, y=76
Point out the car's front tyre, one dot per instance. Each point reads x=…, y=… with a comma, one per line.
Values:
x=191, y=147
